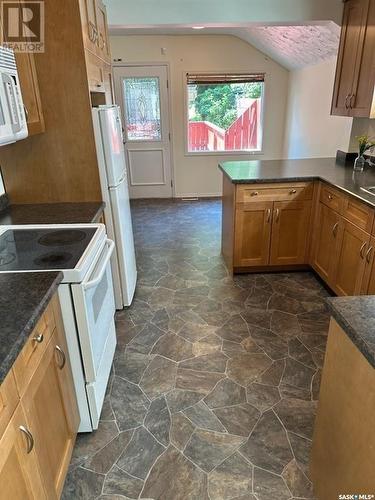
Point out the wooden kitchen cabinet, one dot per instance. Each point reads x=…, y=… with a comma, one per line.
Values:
x=30, y=92
x=20, y=473
x=326, y=241
x=355, y=72
x=102, y=27
x=350, y=260
x=52, y=414
x=252, y=234
x=368, y=281
x=38, y=393
x=290, y=229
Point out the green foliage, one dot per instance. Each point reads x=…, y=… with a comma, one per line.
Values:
x=217, y=103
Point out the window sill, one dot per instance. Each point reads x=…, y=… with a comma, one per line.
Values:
x=225, y=153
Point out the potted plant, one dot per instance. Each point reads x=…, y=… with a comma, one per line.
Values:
x=364, y=144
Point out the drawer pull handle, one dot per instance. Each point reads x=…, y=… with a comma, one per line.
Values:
x=29, y=438
x=293, y=191
x=368, y=254
x=277, y=215
x=330, y=197
x=334, y=229
x=351, y=101
x=61, y=354
x=268, y=215
x=254, y=193
x=39, y=338
x=362, y=250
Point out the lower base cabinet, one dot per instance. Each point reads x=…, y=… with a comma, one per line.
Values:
x=37, y=443
x=290, y=229
x=252, y=234
x=271, y=233
x=20, y=475
x=351, y=260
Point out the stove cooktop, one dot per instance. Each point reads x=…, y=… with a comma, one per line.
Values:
x=43, y=249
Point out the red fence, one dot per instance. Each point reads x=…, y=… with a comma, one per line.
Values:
x=242, y=134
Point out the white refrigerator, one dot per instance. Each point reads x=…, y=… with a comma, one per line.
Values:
x=114, y=184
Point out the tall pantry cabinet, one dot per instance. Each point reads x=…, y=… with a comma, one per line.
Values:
x=59, y=163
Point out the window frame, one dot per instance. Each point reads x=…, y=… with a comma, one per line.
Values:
x=232, y=152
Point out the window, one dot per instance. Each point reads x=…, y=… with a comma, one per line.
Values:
x=224, y=112
x=142, y=108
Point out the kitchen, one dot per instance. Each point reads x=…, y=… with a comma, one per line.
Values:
x=208, y=385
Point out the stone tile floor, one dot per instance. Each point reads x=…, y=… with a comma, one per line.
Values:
x=215, y=380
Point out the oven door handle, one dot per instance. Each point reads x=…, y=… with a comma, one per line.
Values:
x=99, y=275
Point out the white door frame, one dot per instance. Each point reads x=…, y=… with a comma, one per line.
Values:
x=120, y=64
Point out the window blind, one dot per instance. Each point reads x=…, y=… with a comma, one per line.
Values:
x=218, y=78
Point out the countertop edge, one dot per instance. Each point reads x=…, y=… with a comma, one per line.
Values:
x=357, y=340
x=8, y=362
x=299, y=178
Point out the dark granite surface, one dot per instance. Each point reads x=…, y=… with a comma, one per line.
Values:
x=52, y=213
x=356, y=315
x=23, y=299
x=326, y=169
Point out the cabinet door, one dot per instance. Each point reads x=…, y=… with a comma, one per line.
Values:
x=349, y=58
x=103, y=40
x=252, y=234
x=89, y=24
x=290, y=230
x=49, y=403
x=351, y=260
x=30, y=92
x=326, y=240
x=368, y=282
x=108, y=83
x=20, y=477
x=364, y=80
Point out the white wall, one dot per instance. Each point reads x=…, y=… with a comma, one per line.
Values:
x=199, y=175
x=162, y=12
x=310, y=130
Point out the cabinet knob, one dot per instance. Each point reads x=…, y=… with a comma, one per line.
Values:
x=39, y=338
x=351, y=101
x=293, y=191
x=346, y=101
x=62, y=356
x=254, y=193
x=334, y=229
x=330, y=197
x=268, y=215
x=29, y=438
x=277, y=215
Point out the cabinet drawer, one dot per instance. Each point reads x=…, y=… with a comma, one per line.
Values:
x=274, y=192
x=357, y=212
x=332, y=198
x=8, y=400
x=31, y=354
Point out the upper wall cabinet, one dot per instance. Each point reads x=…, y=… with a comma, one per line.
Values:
x=353, y=93
x=95, y=28
x=30, y=92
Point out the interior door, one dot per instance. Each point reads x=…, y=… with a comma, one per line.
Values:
x=142, y=93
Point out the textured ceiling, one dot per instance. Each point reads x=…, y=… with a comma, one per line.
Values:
x=295, y=46
x=292, y=46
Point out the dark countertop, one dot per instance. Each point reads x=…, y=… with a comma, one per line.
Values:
x=356, y=315
x=52, y=213
x=325, y=169
x=23, y=299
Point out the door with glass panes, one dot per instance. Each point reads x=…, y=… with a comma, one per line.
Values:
x=142, y=93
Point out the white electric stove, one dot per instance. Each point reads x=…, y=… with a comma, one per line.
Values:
x=82, y=253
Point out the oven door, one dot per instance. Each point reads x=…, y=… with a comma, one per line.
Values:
x=94, y=305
